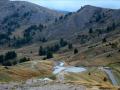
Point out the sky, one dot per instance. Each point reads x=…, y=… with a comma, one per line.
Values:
x=74, y=5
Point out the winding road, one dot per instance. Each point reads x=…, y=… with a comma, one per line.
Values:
x=111, y=76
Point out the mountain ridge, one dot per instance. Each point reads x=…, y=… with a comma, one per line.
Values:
x=16, y=16
x=58, y=25
x=81, y=19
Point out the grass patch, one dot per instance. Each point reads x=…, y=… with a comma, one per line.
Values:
x=4, y=77
x=53, y=77
x=93, y=76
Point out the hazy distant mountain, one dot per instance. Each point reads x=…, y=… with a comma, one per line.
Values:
x=65, y=12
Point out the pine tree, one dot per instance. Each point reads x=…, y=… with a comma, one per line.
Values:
x=56, y=48
x=75, y=51
x=104, y=40
x=62, y=42
x=1, y=58
x=10, y=55
x=42, y=51
x=70, y=46
x=90, y=30
x=49, y=54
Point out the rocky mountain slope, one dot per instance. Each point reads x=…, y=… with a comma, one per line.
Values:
x=88, y=26
x=73, y=25
x=16, y=16
x=26, y=13
x=25, y=22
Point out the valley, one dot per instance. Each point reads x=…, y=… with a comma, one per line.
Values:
x=66, y=77
x=42, y=49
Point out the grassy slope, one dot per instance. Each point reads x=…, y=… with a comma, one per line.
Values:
x=94, y=54
x=96, y=78
x=26, y=71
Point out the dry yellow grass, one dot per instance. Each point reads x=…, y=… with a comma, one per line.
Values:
x=26, y=71
x=92, y=81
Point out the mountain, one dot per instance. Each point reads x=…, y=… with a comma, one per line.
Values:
x=35, y=40
x=25, y=23
x=73, y=24
x=16, y=16
x=28, y=13
x=94, y=31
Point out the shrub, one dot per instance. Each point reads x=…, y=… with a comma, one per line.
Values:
x=89, y=73
x=104, y=40
x=53, y=77
x=70, y=46
x=114, y=45
x=109, y=55
x=1, y=58
x=104, y=79
x=24, y=59
x=7, y=63
x=10, y=55
x=49, y=54
x=119, y=50
x=63, y=42
x=42, y=51
x=90, y=30
x=75, y=51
